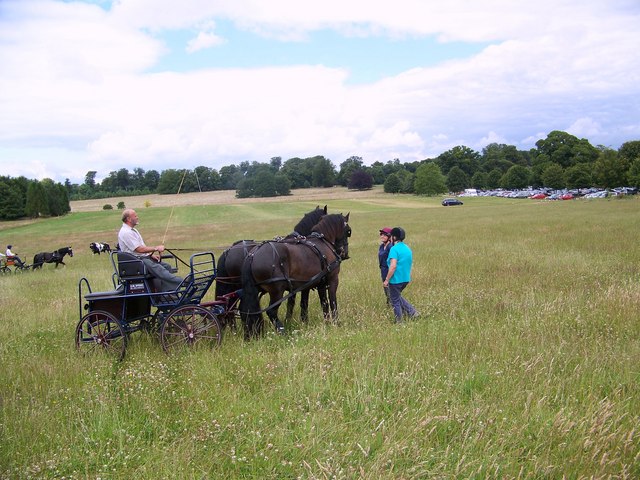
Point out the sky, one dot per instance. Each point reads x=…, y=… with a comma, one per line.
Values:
x=100, y=85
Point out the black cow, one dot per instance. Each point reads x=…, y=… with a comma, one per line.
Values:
x=97, y=247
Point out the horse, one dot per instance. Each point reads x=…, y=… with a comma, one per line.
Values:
x=294, y=264
x=51, y=257
x=99, y=247
x=230, y=262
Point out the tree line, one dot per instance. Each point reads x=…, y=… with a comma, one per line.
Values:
x=558, y=161
x=21, y=197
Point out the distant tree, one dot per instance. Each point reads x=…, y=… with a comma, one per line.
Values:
x=610, y=170
x=299, y=171
x=360, y=180
x=245, y=188
x=480, y=180
x=264, y=184
x=283, y=184
x=169, y=182
x=347, y=167
x=230, y=175
x=107, y=206
x=407, y=180
x=494, y=177
x=392, y=184
x=516, y=177
x=634, y=173
x=465, y=158
x=630, y=151
x=11, y=201
x=151, y=180
x=323, y=173
x=120, y=205
x=90, y=179
x=377, y=172
x=36, y=204
x=579, y=176
x=457, y=179
x=566, y=150
x=553, y=176
x=429, y=180
x=276, y=164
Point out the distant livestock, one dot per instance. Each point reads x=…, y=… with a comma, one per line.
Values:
x=99, y=248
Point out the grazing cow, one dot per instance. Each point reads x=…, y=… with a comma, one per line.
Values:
x=97, y=247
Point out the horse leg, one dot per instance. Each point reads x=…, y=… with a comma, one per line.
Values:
x=272, y=313
x=333, y=301
x=324, y=303
x=291, y=303
x=304, y=305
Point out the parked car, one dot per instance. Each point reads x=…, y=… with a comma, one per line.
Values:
x=451, y=201
x=538, y=196
x=567, y=196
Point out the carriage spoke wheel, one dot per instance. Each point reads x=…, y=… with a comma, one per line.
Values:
x=190, y=326
x=100, y=332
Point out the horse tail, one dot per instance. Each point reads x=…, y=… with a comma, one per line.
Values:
x=37, y=262
x=250, y=300
x=222, y=285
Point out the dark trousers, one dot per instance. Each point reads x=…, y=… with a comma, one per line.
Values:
x=400, y=305
x=162, y=270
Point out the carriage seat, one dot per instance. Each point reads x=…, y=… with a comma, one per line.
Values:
x=131, y=267
x=100, y=295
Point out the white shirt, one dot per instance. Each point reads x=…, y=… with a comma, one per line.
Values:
x=129, y=239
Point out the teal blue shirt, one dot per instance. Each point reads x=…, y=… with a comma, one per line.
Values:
x=402, y=253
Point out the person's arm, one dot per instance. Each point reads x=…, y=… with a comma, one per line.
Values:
x=392, y=269
x=143, y=249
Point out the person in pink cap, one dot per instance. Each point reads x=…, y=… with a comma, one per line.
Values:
x=383, y=253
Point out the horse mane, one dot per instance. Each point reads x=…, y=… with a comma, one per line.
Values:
x=330, y=224
x=306, y=224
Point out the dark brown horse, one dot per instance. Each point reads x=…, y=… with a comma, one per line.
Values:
x=51, y=257
x=230, y=262
x=294, y=264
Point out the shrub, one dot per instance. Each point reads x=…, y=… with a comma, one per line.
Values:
x=107, y=207
x=120, y=205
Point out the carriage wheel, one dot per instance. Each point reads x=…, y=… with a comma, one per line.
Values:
x=188, y=326
x=4, y=270
x=99, y=331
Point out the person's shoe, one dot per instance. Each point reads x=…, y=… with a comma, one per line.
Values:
x=398, y=321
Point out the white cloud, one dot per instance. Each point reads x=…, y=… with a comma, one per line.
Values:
x=75, y=80
x=203, y=41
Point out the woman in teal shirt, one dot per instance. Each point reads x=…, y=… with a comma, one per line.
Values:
x=400, y=261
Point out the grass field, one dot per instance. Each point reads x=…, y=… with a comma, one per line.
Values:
x=524, y=364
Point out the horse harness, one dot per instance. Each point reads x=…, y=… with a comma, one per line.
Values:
x=325, y=266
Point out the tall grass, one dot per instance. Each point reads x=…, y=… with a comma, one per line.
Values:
x=524, y=363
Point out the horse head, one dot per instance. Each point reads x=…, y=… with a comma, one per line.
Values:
x=305, y=225
x=335, y=229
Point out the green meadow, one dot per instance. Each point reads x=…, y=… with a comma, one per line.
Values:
x=525, y=362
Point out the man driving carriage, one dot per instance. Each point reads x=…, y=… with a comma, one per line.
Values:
x=131, y=241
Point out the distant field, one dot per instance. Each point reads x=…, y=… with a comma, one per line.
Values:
x=523, y=365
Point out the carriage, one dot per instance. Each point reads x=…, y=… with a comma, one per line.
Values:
x=180, y=317
x=7, y=262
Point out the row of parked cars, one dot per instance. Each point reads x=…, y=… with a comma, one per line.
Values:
x=542, y=194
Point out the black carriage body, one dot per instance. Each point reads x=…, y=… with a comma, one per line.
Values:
x=136, y=293
x=180, y=317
